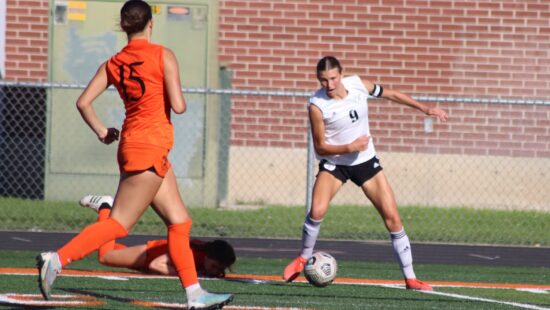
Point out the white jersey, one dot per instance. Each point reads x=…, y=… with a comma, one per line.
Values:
x=345, y=120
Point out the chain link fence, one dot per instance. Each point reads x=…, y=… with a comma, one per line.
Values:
x=49, y=157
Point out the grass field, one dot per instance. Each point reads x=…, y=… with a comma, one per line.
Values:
x=423, y=224
x=359, y=285
x=378, y=287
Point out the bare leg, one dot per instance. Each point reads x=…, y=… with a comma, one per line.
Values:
x=135, y=193
x=324, y=189
x=380, y=193
x=133, y=257
x=168, y=203
x=326, y=186
x=170, y=207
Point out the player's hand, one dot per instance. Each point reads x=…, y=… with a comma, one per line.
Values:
x=111, y=136
x=437, y=112
x=360, y=144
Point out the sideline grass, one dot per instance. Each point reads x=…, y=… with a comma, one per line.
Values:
x=427, y=224
x=117, y=294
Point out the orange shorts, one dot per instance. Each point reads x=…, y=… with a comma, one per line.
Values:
x=140, y=157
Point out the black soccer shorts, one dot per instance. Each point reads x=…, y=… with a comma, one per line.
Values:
x=358, y=174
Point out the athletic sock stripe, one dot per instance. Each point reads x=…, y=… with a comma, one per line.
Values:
x=312, y=221
x=398, y=235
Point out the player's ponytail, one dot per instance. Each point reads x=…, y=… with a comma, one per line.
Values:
x=134, y=16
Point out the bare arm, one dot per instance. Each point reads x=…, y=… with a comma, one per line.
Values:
x=401, y=98
x=97, y=85
x=132, y=257
x=162, y=265
x=172, y=82
x=318, y=134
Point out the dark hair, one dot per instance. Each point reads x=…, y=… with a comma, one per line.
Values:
x=134, y=16
x=218, y=249
x=328, y=63
x=221, y=251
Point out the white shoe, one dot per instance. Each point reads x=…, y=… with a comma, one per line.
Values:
x=94, y=202
x=209, y=301
x=49, y=267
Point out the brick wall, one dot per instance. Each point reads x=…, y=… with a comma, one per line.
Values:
x=494, y=130
x=437, y=48
x=27, y=40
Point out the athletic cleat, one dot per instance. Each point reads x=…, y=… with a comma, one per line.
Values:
x=209, y=301
x=94, y=202
x=415, y=284
x=49, y=267
x=293, y=270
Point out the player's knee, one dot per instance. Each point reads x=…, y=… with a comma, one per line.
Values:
x=317, y=213
x=106, y=257
x=316, y=217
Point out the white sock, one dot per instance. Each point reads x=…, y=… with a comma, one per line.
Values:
x=194, y=291
x=310, y=231
x=402, y=250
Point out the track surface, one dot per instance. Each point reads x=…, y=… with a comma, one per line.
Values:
x=348, y=250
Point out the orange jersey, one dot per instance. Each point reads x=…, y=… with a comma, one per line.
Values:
x=137, y=72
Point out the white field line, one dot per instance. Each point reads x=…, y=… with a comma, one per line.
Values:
x=520, y=305
x=11, y=298
x=136, y=276
x=228, y=307
x=533, y=290
x=508, y=303
x=444, y=285
x=21, y=239
x=152, y=276
x=36, y=300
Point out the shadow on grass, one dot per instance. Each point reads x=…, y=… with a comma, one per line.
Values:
x=128, y=301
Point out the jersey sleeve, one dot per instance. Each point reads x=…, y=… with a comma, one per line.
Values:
x=317, y=98
x=356, y=83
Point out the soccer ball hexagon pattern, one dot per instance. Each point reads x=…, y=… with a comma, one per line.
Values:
x=320, y=269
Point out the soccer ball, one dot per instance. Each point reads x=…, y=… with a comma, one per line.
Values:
x=320, y=269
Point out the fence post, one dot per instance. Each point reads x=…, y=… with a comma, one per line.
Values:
x=309, y=173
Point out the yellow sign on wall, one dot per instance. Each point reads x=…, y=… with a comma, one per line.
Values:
x=77, y=10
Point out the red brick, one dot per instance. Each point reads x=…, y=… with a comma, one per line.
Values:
x=284, y=144
x=523, y=153
x=459, y=48
x=536, y=146
x=543, y=154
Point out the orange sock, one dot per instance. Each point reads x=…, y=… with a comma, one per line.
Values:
x=181, y=254
x=102, y=216
x=90, y=239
